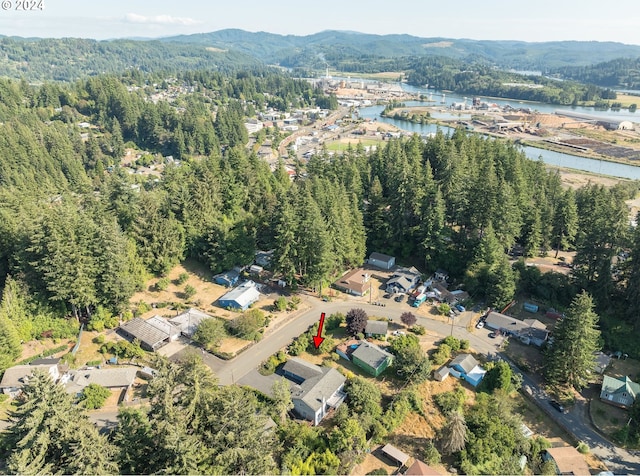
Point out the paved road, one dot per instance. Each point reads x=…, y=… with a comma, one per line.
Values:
x=576, y=421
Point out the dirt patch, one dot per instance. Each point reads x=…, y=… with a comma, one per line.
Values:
x=88, y=350
x=39, y=347
x=607, y=418
x=624, y=367
x=577, y=180
x=232, y=345
x=526, y=357
x=375, y=460
x=200, y=278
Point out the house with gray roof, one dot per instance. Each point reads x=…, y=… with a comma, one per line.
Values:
x=189, y=321
x=466, y=367
x=371, y=358
x=381, y=261
x=376, y=328
x=115, y=379
x=619, y=391
x=403, y=280
x=152, y=333
x=316, y=390
x=241, y=297
x=530, y=331
x=228, y=278
x=16, y=377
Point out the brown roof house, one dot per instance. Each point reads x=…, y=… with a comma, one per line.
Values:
x=567, y=460
x=418, y=468
x=355, y=282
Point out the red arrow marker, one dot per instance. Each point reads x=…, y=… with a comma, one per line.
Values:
x=317, y=340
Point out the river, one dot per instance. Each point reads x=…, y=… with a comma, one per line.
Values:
x=559, y=159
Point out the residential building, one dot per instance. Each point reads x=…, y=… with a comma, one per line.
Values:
x=403, y=280
x=567, y=460
x=371, y=358
x=16, y=377
x=189, y=321
x=418, y=468
x=316, y=390
x=119, y=379
x=152, y=333
x=602, y=361
x=619, y=391
x=466, y=367
x=376, y=328
x=263, y=258
x=354, y=282
x=228, y=278
x=382, y=261
x=241, y=297
x=530, y=331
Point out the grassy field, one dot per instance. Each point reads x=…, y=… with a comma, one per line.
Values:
x=343, y=144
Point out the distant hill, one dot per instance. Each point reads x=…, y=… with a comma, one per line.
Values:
x=68, y=59
x=619, y=73
x=305, y=51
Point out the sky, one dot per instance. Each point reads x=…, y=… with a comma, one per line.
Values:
x=538, y=20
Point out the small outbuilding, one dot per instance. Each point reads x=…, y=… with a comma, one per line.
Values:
x=382, y=261
x=228, y=278
x=376, y=328
x=395, y=454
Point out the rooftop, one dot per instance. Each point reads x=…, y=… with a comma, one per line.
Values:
x=371, y=354
x=380, y=257
x=189, y=320
x=569, y=460
x=109, y=378
x=620, y=385
x=356, y=280
x=301, y=368
x=244, y=295
x=376, y=327
x=465, y=361
x=314, y=389
x=17, y=376
x=144, y=331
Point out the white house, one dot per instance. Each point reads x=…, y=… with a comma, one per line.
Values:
x=15, y=378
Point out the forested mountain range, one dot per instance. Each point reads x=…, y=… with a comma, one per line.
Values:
x=68, y=59
x=338, y=46
x=621, y=72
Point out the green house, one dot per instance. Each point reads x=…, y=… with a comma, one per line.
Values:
x=371, y=358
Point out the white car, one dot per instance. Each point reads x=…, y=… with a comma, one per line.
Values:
x=398, y=333
x=480, y=325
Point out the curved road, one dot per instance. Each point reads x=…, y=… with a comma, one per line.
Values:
x=576, y=421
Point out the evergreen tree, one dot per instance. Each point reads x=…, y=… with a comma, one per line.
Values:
x=454, y=435
x=49, y=434
x=570, y=359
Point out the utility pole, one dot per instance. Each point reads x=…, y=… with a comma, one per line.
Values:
x=370, y=295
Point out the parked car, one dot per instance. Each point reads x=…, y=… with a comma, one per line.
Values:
x=398, y=333
x=492, y=335
x=557, y=405
x=460, y=307
x=399, y=298
x=387, y=296
x=480, y=324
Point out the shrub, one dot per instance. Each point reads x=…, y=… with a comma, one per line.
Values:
x=280, y=304
x=334, y=321
x=94, y=395
x=441, y=355
x=464, y=344
x=162, y=284
x=3, y=397
x=69, y=359
x=189, y=291
x=294, y=302
x=99, y=339
x=182, y=279
x=94, y=363
x=444, y=309
x=583, y=448
x=450, y=401
x=431, y=455
x=452, y=342
x=378, y=471
x=142, y=308
x=248, y=324
x=418, y=329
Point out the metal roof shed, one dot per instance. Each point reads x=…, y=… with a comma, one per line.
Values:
x=395, y=454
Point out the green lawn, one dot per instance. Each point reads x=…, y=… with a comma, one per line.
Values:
x=338, y=146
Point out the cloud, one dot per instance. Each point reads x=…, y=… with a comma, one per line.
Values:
x=160, y=20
